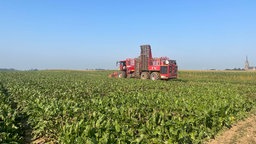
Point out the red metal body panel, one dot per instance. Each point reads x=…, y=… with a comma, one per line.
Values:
x=154, y=68
x=127, y=65
x=130, y=63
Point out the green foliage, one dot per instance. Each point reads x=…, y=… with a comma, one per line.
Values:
x=9, y=126
x=88, y=107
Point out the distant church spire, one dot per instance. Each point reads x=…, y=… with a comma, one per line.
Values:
x=246, y=66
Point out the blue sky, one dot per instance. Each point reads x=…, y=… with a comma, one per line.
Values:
x=80, y=34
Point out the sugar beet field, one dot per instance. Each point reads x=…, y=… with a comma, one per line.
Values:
x=88, y=107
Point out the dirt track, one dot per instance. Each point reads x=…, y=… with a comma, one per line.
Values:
x=244, y=132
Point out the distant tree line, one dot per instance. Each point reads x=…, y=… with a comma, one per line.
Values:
x=236, y=69
x=7, y=69
x=12, y=69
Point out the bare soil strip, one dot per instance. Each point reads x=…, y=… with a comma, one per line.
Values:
x=243, y=132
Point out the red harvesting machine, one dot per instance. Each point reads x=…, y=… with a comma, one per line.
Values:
x=146, y=67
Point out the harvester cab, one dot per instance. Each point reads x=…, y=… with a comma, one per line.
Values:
x=121, y=65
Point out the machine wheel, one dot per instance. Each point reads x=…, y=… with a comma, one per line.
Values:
x=155, y=76
x=144, y=75
x=121, y=74
x=129, y=75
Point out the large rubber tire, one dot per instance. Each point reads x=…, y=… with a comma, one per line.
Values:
x=155, y=76
x=121, y=74
x=129, y=76
x=144, y=75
